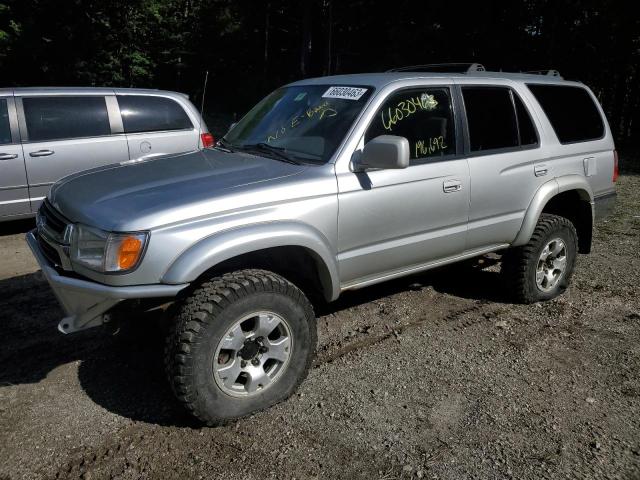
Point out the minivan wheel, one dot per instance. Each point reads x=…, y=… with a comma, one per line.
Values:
x=541, y=269
x=241, y=342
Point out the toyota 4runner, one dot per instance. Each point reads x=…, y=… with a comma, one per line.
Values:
x=327, y=185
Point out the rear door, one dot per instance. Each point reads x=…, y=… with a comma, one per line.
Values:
x=156, y=125
x=506, y=163
x=14, y=191
x=65, y=134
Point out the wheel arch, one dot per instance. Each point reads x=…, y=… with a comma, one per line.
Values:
x=569, y=196
x=296, y=251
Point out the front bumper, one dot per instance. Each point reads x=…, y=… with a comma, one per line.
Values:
x=85, y=302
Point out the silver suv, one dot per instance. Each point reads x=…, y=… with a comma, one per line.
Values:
x=327, y=185
x=49, y=133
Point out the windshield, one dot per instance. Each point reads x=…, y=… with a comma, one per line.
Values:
x=306, y=123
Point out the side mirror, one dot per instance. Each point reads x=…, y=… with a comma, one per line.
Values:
x=385, y=151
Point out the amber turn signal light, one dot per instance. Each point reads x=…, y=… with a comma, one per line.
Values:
x=129, y=252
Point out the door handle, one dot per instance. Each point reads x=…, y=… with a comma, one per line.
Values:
x=41, y=153
x=8, y=156
x=540, y=170
x=450, y=186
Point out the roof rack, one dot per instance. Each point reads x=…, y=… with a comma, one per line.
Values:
x=549, y=73
x=442, y=67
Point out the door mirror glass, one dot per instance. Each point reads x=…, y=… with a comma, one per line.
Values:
x=384, y=151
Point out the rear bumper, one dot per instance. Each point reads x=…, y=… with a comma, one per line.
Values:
x=603, y=205
x=85, y=302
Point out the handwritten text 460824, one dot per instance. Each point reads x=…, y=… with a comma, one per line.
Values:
x=405, y=108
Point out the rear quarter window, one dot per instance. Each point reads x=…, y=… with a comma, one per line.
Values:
x=151, y=114
x=571, y=111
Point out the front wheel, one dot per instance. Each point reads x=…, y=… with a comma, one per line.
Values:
x=541, y=269
x=241, y=343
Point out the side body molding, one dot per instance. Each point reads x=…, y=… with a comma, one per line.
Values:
x=543, y=195
x=222, y=246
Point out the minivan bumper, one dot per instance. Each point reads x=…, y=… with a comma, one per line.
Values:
x=85, y=302
x=603, y=205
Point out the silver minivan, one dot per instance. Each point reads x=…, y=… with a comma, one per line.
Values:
x=49, y=133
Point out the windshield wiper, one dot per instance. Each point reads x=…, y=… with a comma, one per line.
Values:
x=277, y=152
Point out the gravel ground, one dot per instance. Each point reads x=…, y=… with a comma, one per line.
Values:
x=432, y=376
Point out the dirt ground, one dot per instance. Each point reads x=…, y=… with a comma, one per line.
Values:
x=432, y=376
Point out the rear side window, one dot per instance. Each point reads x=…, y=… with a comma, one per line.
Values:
x=5, y=129
x=57, y=118
x=424, y=116
x=491, y=118
x=571, y=111
x=151, y=114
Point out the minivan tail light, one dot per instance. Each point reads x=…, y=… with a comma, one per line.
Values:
x=207, y=140
x=615, y=165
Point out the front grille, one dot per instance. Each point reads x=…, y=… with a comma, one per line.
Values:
x=49, y=252
x=53, y=221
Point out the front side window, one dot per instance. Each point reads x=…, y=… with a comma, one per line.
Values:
x=143, y=113
x=571, y=111
x=304, y=123
x=424, y=116
x=62, y=117
x=5, y=128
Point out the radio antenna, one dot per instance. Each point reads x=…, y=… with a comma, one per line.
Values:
x=204, y=91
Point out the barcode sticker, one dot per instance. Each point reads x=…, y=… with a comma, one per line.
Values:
x=345, y=93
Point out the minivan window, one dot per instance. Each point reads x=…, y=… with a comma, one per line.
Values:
x=491, y=118
x=61, y=117
x=424, y=116
x=141, y=113
x=571, y=111
x=5, y=128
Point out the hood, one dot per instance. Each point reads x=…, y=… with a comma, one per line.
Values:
x=142, y=195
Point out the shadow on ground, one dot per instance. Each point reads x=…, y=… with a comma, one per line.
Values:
x=124, y=373
x=15, y=227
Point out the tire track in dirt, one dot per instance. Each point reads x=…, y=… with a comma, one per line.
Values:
x=447, y=321
x=113, y=449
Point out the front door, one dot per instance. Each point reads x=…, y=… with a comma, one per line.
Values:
x=14, y=191
x=394, y=221
x=66, y=134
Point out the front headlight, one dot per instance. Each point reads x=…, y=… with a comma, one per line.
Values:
x=107, y=252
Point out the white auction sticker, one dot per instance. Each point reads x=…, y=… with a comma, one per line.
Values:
x=345, y=93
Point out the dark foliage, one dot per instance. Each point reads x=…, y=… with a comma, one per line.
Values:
x=250, y=47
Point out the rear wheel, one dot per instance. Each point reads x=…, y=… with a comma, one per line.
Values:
x=241, y=343
x=541, y=269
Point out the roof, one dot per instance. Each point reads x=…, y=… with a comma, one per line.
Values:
x=86, y=91
x=379, y=80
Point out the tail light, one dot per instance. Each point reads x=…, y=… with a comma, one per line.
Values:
x=615, y=165
x=207, y=140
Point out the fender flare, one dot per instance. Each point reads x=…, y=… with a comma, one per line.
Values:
x=542, y=196
x=212, y=250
